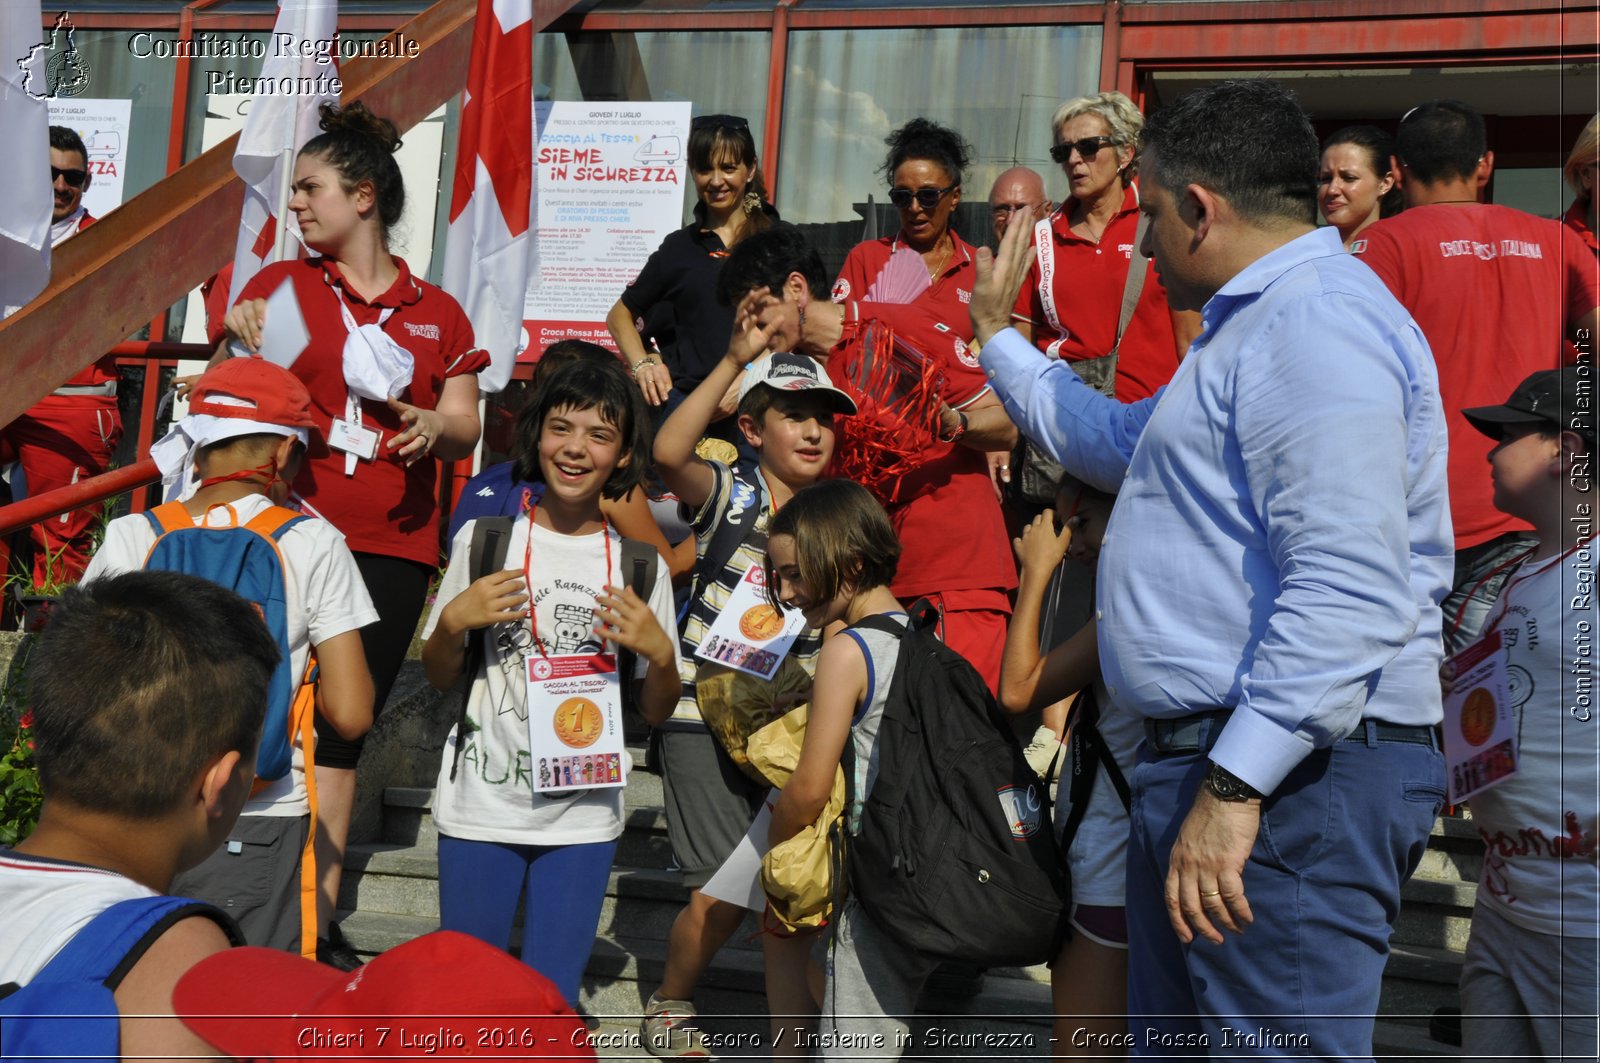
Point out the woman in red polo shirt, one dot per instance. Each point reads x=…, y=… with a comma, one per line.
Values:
x=391, y=367
x=1072, y=298
x=953, y=536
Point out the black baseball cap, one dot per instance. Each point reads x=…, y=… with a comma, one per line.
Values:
x=1562, y=398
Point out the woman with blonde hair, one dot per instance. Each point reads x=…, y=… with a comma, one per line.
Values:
x=1070, y=303
x=1580, y=173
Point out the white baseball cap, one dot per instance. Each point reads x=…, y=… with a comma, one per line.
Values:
x=793, y=372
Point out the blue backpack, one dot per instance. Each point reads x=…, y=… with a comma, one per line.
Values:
x=245, y=559
x=67, y=1011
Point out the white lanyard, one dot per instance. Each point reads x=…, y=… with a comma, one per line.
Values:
x=1044, y=249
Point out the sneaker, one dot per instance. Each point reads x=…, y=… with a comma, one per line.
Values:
x=1041, y=750
x=667, y=1030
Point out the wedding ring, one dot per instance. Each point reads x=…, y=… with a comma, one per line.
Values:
x=1213, y=893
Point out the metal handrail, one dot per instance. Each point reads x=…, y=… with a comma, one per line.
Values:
x=29, y=511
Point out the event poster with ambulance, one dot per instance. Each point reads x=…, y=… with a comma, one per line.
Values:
x=610, y=187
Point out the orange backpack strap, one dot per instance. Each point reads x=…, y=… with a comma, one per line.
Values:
x=269, y=520
x=302, y=719
x=171, y=516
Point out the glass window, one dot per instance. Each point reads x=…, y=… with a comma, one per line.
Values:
x=659, y=66
x=115, y=71
x=846, y=90
x=1538, y=190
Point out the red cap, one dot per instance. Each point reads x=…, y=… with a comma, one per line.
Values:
x=252, y=389
x=442, y=996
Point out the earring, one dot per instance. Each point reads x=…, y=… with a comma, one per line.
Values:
x=752, y=202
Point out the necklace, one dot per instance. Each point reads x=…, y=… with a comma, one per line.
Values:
x=944, y=259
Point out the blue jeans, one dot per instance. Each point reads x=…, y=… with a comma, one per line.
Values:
x=1337, y=838
x=481, y=882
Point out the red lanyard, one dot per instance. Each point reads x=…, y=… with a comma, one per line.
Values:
x=527, y=574
x=1455, y=625
x=1505, y=592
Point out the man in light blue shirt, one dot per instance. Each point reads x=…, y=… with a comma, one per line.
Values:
x=1269, y=589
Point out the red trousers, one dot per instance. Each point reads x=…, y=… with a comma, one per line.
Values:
x=63, y=439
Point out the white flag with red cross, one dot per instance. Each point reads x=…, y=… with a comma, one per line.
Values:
x=490, y=251
x=301, y=56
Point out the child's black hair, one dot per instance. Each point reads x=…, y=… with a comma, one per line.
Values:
x=556, y=357
x=138, y=682
x=591, y=384
x=842, y=536
x=765, y=260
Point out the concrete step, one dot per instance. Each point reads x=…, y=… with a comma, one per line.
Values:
x=1435, y=914
x=1417, y=981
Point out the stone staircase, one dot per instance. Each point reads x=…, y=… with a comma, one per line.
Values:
x=390, y=895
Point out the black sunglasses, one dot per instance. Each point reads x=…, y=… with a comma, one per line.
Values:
x=927, y=198
x=718, y=121
x=1087, y=148
x=74, y=178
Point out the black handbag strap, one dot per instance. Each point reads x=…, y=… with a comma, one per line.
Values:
x=1086, y=752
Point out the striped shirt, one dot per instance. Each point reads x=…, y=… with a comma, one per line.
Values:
x=728, y=498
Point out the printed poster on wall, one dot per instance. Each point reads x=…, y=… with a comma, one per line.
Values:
x=104, y=126
x=611, y=182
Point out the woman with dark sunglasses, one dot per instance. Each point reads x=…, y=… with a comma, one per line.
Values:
x=955, y=549
x=673, y=300
x=1083, y=252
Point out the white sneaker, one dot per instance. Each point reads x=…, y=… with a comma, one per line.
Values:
x=1041, y=750
x=667, y=1030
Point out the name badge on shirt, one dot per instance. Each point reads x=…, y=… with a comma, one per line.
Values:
x=749, y=635
x=1480, y=724
x=354, y=439
x=575, y=722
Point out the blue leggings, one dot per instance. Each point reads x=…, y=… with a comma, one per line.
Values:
x=480, y=883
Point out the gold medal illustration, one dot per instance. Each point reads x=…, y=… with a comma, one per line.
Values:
x=1477, y=717
x=578, y=722
x=760, y=622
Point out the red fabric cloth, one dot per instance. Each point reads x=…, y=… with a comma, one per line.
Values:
x=952, y=533
x=385, y=508
x=61, y=440
x=1577, y=219
x=1494, y=290
x=973, y=623
x=1087, y=284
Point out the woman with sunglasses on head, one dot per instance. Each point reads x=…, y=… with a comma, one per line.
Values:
x=946, y=513
x=675, y=294
x=1084, y=251
x=1355, y=186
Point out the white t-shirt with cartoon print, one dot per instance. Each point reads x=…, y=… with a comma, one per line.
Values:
x=492, y=797
x=1539, y=826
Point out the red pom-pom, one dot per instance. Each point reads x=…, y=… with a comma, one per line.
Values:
x=898, y=393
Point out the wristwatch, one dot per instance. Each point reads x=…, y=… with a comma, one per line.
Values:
x=1226, y=786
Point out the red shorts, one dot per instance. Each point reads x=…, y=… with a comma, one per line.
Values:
x=973, y=624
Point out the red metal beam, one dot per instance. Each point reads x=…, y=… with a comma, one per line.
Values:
x=29, y=511
x=142, y=258
x=1110, y=45
x=777, y=69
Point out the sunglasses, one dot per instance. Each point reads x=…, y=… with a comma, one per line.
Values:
x=74, y=178
x=1087, y=148
x=927, y=198
x=718, y=121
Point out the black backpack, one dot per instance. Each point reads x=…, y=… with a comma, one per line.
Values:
x=956, y=856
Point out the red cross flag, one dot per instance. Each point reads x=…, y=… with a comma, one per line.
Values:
x=297, y=77
x=490, y=249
